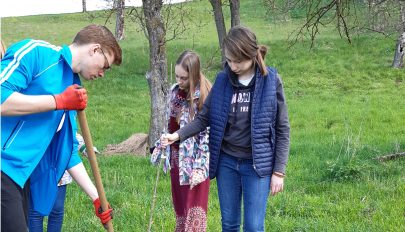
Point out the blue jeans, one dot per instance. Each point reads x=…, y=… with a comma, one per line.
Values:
x=55, y=218
x=236, y=178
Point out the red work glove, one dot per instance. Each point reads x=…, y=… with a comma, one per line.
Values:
x=73, y=98
x=105, y=216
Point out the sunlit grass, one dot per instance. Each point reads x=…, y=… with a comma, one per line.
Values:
x=346, y=106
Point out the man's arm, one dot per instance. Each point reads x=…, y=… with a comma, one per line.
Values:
x=73, y=98
x=20, y=104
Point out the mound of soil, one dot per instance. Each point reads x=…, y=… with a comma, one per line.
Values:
x=136, y=145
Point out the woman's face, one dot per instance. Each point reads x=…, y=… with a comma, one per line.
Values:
x=182, y=77
x=239, y=67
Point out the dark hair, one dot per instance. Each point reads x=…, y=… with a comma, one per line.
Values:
x=241, y=43
x=101, y=35
x=190, y=62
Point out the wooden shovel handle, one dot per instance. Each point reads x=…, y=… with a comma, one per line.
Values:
x=93, y=163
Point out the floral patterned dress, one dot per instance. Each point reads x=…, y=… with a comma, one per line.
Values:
x=189, y=169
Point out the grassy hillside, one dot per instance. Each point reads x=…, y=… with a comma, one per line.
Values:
x=346, y=107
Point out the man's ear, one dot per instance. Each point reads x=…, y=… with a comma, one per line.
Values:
x=94, y=48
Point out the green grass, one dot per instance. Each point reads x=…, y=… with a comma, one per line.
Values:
x=346, y=107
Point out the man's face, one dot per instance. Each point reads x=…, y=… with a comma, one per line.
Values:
x=96, y=64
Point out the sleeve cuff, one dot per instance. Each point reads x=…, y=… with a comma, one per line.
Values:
x=74, y=160
x=5, y=93
x=279, y=167
x=181, y=135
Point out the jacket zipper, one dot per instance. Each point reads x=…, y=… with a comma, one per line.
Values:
x=251, y=124
x=222, y=137
x=13, y=134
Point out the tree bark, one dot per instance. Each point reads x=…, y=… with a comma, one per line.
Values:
x=399, y=52
x=157, y=75
x=219, y=23
x=402, y=7
x=84, y=6
x=398, y=61
x=235, y=16
x=119, y=23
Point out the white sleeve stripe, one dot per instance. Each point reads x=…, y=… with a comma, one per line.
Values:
x=6, y=73
x=16, y=55
x=50, y=66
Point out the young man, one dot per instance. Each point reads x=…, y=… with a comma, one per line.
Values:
x=40, y=93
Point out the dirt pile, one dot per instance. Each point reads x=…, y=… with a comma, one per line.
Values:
x=136, y=145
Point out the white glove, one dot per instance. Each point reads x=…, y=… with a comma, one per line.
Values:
x=82, y=146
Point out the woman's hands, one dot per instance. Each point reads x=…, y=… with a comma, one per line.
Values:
x=276, y=184
x=167, y=139
x=105, y=216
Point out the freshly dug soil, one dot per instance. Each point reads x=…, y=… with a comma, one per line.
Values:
x=136, y=145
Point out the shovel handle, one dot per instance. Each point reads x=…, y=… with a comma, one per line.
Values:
x=93, y=163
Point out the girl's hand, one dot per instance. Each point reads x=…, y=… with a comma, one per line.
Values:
x=276, y=184
x=167, y=139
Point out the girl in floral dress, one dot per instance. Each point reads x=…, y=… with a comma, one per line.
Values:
x=189, y=160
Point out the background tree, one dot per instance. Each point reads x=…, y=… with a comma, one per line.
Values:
x=119, y=23
x=219, y=23
x=84, y=6
x=381, y=16
x=234, y=6
x=160, y=25
x=235, y=16
x=157, y=74
x=398, y=61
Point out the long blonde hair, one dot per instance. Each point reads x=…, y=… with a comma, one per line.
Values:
x=241, y=43
x=190, y=62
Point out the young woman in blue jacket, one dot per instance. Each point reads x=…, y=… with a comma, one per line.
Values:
x=249, y=132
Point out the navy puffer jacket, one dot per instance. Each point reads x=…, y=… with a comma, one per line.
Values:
x=263, y=118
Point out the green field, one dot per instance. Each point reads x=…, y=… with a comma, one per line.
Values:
x=346, y=107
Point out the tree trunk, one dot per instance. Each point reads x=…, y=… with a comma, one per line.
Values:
x=84, y=6
x=400, y=48
x=219, y=23
x=119, y=24
x=235, y=16
x=402, y=6
x=399, y=52
x=157, y=75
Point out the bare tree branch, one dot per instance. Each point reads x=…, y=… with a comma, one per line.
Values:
x=136, y=15
x=313, y=20
x=390, y=156
x=177, y=20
